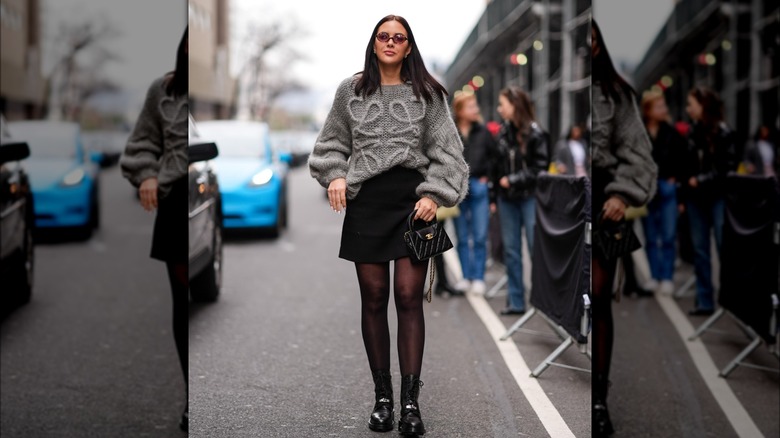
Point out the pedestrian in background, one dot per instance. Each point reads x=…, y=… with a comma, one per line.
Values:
x=710, y=156
x=155, y=161
x=390, y=146
x=520, y=155
x=624, y=174
x=761, y=154
x=472, y=222
x=572, y=155
x=660, y=224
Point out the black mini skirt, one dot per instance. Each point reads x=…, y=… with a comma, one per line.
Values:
x=170, y=240
x=375, y=221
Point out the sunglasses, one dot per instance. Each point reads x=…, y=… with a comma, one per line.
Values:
x=384, y=37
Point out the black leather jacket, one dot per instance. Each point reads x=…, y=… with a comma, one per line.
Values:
x=520, y=166
x=709, y=159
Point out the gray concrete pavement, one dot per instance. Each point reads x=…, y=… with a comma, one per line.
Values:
x=92, y=354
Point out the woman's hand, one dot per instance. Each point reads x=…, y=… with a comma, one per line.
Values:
x=493, y=208
x=504, y=182
x=337, y=194
x=148, y=193
x=614, y=209
x=426, y=209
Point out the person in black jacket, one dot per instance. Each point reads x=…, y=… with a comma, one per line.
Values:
x=521, y=153
x=711, y=155
x=660, y=224
x=472, y=223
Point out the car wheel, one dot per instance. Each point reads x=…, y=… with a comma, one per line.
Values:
x=284, y=212
x=24, y=269
x=94, y=215
x=205, y=286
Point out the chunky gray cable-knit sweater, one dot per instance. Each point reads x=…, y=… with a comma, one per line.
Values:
x=157, y=146
x=363, y=137
x=620, y=144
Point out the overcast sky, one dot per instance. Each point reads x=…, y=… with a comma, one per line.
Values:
x=338, y=32
x=629, y=26
x=149, y=33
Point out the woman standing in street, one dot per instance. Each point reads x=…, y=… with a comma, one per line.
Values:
x=472, y=223
x=520, y=155
x=390, y=146
x=623, y=174
x=155, y=161
x=711, y=155
x=660, y=224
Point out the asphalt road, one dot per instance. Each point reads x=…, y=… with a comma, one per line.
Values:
x=657, y=390
x=281, y=354
x=92, y=354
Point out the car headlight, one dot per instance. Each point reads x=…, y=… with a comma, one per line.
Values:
x=73, y=177
x=261, y=178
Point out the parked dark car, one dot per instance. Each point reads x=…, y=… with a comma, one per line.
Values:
x=205, y=220
x=17, y=221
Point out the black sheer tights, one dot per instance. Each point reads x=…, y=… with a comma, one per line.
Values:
x=408, y=282
x=178, y=277
x=603, y=329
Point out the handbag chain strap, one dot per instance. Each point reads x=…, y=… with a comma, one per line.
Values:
x=433, y=274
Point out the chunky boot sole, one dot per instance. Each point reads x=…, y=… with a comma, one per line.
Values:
x=409, y=430
x=382, y=427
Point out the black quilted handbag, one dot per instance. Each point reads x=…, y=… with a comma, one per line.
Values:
x=616, y=239
x=426, y=242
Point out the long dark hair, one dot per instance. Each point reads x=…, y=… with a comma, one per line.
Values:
x=524, y=113
x=413, y=68
x=612, y=84
x=711, y=108
x=177, y=81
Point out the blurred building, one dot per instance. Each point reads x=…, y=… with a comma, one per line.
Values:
x=542, y=46
x=729, y=46
x=211, y=87
x=21, y=81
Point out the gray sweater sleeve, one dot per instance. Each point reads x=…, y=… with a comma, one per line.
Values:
x=447, y=178
x=635, y=177
x=333, y=147
x=141, y=157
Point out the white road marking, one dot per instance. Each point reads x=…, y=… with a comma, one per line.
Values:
x=720, y=389
x=549, y=416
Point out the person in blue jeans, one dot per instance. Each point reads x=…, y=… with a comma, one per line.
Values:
x=472, y=223
x=520, y=155
x=661, y=222
x=711, y=155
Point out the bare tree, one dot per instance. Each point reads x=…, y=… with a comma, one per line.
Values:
x=269, y=53
x=79, y=72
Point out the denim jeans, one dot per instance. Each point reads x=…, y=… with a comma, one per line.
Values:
x=705, y=216
x=661, y=231
x=515, y=215
x=472, y=227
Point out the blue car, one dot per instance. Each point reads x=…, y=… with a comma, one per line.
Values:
x=252, y=177
x=64, y=178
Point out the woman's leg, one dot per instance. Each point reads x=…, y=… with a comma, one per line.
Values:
x=510, y=215
x=603, y=331
x=409, y=282
x=668, y=219
x=480, y=220
x=374, y=281
x=463, y=225
x=178, y=278
x=603, y=335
